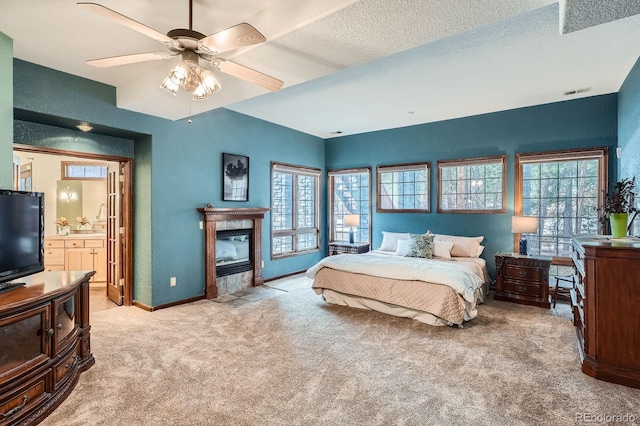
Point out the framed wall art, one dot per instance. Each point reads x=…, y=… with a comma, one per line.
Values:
x=235, y=177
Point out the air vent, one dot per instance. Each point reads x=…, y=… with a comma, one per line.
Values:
x=577, y=91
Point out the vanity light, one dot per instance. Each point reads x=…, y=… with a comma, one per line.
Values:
x=84, y=127
x=68, y=195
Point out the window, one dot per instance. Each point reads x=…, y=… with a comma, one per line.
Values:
x=563, y=190
x=475, y=185
x=295, y=207
x=83, y=170
x=403, y=188
x=350, y=193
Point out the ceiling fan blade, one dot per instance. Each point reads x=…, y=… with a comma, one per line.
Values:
x=240, y=35
x=127, y=59
x=127, y=22
x=248, y=74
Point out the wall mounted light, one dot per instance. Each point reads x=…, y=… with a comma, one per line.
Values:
x=68, y=195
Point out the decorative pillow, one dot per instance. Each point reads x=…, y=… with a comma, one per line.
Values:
x=420, y=246
x=403, y=248
x=390, y=240
x=462, y=246
x=442, y=249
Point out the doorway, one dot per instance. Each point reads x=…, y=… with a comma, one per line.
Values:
x=106, y=214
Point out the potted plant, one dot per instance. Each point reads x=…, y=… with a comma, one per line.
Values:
x=618, y=205
x=63, y=225
x=83, y=223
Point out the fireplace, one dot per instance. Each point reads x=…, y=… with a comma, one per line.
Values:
x=240, y=228
x=234, y=251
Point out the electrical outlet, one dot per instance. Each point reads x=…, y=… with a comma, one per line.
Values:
x=262, y=264
x=172, y=282
x=201, y=225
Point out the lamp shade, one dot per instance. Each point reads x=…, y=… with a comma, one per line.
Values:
x=352, y=220
x=524, y=224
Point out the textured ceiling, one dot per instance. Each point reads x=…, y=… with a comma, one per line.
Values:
x=351, y=66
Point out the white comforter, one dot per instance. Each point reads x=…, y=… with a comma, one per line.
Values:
x=459, y=277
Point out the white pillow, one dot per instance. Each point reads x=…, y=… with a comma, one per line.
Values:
x=390, y=240
x=480, y=250
x=442, y=249
x=462, y=246
x=403, y=248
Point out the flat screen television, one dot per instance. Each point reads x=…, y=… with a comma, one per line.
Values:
x=21, y=234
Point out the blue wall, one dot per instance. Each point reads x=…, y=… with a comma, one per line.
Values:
x=583, y=123
x=629, y=125
x=177, y=168
x=6, y=111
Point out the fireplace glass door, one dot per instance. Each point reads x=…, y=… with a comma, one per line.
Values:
x=233, y=252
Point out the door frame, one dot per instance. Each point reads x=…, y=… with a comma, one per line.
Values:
x=127, y=197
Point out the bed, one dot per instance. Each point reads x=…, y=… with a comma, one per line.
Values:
x=436, y=290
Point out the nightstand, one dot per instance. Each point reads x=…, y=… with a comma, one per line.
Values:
x=342, y=247
x=523, y=279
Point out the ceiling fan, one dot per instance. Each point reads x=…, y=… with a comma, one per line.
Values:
x=192, y=46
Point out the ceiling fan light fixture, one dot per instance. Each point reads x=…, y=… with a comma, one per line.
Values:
x=209, y=81
x=169, y=85
x=200, y=94
x=179, y=73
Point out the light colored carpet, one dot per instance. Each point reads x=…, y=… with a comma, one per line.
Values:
x=295, y=360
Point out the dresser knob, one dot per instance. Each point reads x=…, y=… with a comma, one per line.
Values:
x=522, y=273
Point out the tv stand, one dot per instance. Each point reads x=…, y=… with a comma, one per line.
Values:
x=44, y=330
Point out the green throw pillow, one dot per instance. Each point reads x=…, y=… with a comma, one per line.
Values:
x=420, y=245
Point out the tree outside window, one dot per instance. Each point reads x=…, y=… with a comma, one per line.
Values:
x=563, y=191
x=295, y=207
x=350, y=193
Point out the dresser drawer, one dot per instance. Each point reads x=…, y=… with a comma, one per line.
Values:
x=522, y=273
x=74, y=243
x=53, y=256
x=523, y=288
x=53, y=243
x=94, y=243
x=67, y=365
x=20, y=401
x=48, y=267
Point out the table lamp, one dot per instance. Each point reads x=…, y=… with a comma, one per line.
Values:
x=521, y=225
x=351, y=220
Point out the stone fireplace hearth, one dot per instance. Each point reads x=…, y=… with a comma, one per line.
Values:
x=230, y=221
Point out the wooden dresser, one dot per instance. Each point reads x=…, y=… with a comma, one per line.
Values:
x=606, y=308
x=522, y=279
x=44, y=344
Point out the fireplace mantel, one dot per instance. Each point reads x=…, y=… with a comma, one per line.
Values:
x=211, y=216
